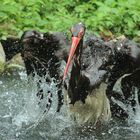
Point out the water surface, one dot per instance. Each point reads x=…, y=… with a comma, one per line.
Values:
x=21, y=118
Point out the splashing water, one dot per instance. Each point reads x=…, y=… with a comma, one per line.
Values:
x=22, y=118
x=19, y=108
x=133, y=116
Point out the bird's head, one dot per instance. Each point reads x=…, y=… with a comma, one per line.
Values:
x=77, y=31
x=31, y=36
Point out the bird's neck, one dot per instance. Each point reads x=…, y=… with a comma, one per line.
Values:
x=75, y=75
x=78, y=53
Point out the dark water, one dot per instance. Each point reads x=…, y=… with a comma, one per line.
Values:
x=21, y=118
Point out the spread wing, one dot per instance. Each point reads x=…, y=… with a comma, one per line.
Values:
x=95, y=58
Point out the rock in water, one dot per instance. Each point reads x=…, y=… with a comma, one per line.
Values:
x=2, y=59
x=15, y=63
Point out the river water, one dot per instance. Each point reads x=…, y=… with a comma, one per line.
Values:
x=22, y=118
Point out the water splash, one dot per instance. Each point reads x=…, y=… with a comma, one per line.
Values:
x=32, y=112
x=22, y=118
x=134, y=116
x=20, y=112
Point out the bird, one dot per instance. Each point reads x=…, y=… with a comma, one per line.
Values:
x=42, y=54
x=126, y=66
x=92, y=70
x=85, y=76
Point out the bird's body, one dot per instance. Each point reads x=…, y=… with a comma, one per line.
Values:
x=96, y=67
x=86, y=88
x=40, y=55
x=96, y=108
x=126, y=62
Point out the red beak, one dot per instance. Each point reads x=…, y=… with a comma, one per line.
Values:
x=75, y=42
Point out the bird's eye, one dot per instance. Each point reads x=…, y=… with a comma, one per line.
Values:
x=80, y=34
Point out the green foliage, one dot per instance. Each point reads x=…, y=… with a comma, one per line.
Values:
x=100, y=16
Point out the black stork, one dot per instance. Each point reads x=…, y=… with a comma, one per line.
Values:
x=43, y=53
x=97, y=65
x=86, y=86
x=126, y=61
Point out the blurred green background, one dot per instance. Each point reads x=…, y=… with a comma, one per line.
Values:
x=107, y=18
